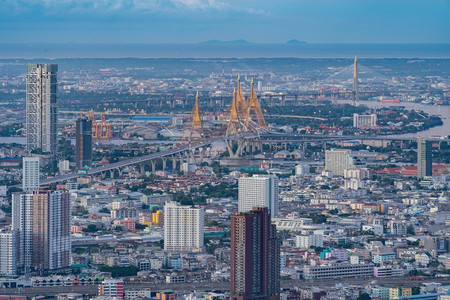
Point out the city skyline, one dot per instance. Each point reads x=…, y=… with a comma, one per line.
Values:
x=225, y=149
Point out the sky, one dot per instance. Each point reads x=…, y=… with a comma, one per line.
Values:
x=194, y=21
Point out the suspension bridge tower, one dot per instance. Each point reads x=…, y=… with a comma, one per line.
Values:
x=355, y=91
x=194, y=132
x=195, y=124
x=245, y=122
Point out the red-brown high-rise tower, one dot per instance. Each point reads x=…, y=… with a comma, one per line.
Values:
x=255, y=256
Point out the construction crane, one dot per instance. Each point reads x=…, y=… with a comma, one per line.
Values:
x=102, y=130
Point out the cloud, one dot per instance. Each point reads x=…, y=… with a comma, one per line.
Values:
x=117, y=8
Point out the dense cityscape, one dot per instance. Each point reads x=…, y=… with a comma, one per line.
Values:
x=223, y=169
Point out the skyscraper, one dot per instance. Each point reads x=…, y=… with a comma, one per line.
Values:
x=255, y=256
x=8, y=252
x=337, y=161
x=424, y=158
x=258, y=191
x=30, y=174
x=41, y=107
x=183, y=227
x=43, y=221
x=83, y=147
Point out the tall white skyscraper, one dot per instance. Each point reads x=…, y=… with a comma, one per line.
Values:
x=22, y=221
x=43, y=221
x=258, y=191
x=41, y=107
x=8, y=252
x=183, y=227
x=337, y=161
x=30, y=174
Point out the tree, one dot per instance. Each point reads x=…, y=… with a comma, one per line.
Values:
x=334, y=211
x=318, y=218
x=410, y=230
x=91, y=228
x=364, y=296
x=140, y=226
x=211, y=223
x=104, y=210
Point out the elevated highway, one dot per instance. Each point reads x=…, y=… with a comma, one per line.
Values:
x=266, y=138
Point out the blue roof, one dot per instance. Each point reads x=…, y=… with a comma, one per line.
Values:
x=421, y=296
x=160, y=118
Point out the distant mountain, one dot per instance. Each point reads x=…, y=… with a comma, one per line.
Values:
x=226, y=42
x=296, y=42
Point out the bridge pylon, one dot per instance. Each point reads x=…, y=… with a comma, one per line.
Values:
x=245, y=117
x=355, y=91
x=254, y=107
x=242, y=105
x=235, y=129
x=196, y=133
x=195, y=124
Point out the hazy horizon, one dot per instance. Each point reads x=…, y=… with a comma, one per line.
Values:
x=222, y=50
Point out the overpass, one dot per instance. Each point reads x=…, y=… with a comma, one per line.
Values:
x=187, y=149
x=133, y=161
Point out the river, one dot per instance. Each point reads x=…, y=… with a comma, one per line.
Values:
x=440, y=110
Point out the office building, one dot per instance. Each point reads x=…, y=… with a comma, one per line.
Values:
x=83, y=146
x=258, y=191
x=397, y=227
x=353, y=184
x=183, y=227
x=22, y=222
x=255, y=256
x=112, y=288
x=43, y=221
x=41, y=107
x=365, y=121
x=30, y=174
x=307, y=241
x=63, y=166
x=338, y=271
x=8, y=252
x=357, y=173
x=424, y=159
x=337, y=161
x=302, y=170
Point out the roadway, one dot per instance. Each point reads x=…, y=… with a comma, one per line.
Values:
x=224, y=286
x=265, y=138
x=127, y=162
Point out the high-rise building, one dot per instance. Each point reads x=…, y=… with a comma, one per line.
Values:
x=30, y=174
x=22, y=221
x=41, y=107
x=255, y=256
x=83, y=147
x=306, y=241
x=112, y=288
x=258, y=191
x=43, y=221
x=8, y=252
x=424, y=158
x=183, y=227
x=337, y=161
